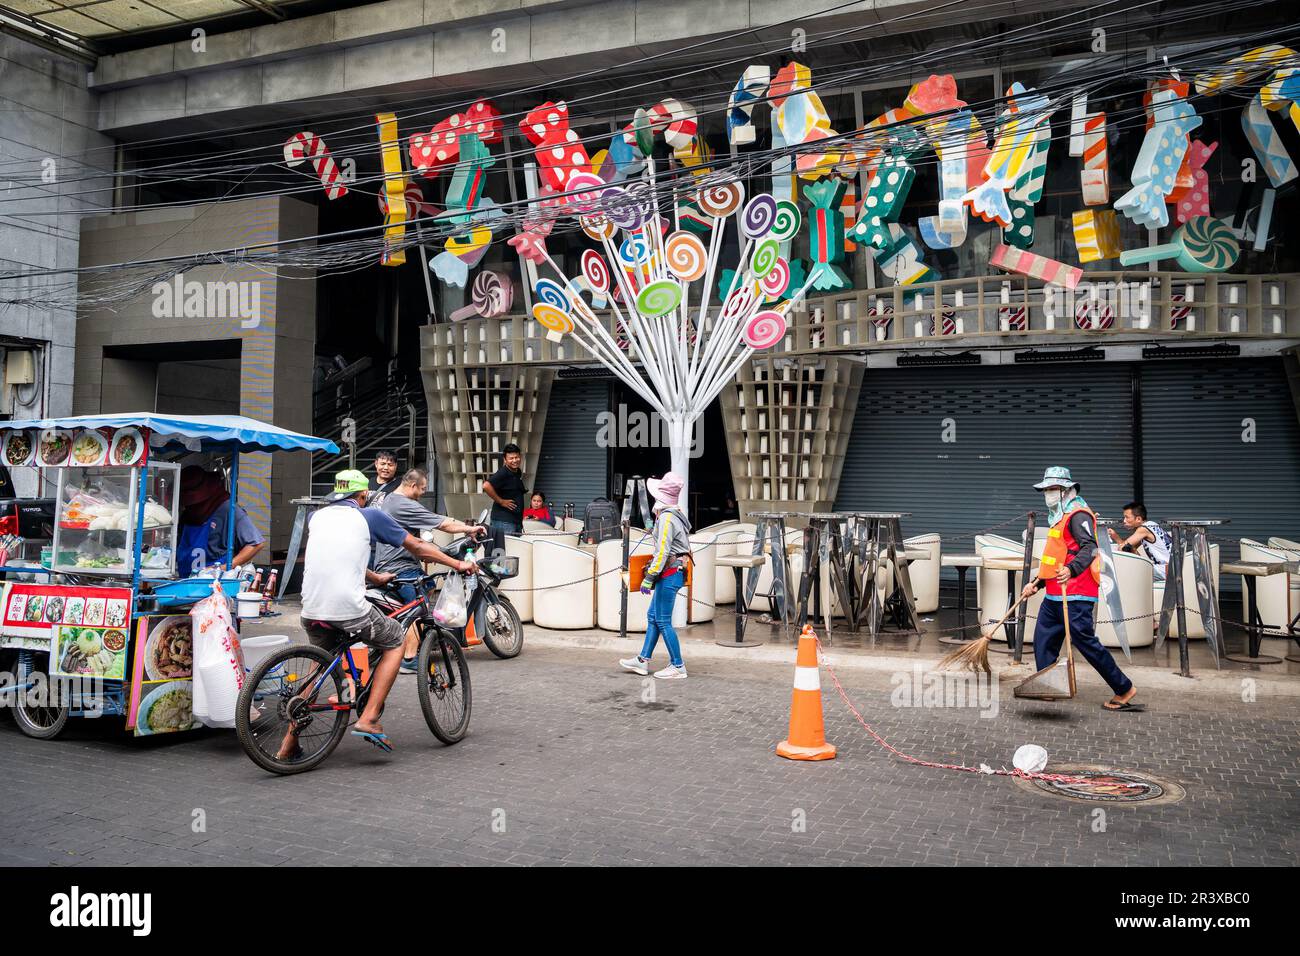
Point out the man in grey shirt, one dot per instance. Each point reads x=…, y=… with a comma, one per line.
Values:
x=404, y=507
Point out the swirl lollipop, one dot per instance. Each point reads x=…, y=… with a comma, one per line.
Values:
x=777, y=280
x=634, y=251
x=659, y=298
x=765, y=257
x=552, y=293
x=1202, y=244
x=759, y=215
x=764, y=329
x=556, y=323
x=598, y=227
x=787, y=222
x=721, y=200
x=686, y=256
x=740, y=301
x=584, y=191
x=596, y=271
x=491, y=295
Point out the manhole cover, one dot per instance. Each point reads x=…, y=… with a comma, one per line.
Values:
x=1107, y=785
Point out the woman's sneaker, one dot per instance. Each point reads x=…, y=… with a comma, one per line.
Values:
x=635, y=665
x=672, y=672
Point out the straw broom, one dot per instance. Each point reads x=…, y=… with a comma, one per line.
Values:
x=974, y=656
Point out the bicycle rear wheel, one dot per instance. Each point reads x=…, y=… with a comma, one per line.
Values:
x=276, y=700
x=442, y=678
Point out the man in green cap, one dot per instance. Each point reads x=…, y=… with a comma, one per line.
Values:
x=334, y=606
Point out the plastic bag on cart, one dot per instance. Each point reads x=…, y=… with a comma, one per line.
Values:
x=450, y=610
x=218, y=660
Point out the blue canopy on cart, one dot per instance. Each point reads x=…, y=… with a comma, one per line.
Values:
x=192, y=432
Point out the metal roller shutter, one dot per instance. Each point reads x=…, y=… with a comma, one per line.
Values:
x=1009, y=423
x=572, y=467
x=1196, y=462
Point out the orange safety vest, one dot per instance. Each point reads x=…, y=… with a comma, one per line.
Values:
x=1060, y=550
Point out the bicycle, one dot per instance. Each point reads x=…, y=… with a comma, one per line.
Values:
x=284, y=692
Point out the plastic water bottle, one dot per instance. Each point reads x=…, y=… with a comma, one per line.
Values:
x=471, y=580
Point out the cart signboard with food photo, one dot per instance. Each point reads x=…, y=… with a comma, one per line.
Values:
x=89, y=652
x=162, y=691
x=90, y=447
x=33, y=611
x=127, y=447
x=54, y=447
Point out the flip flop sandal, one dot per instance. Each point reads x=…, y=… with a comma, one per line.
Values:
x=379, y=740
x=1135, y=708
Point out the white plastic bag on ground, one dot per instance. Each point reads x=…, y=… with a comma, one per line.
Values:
x=451, y=607
x=1030, y=758
x=218, y=661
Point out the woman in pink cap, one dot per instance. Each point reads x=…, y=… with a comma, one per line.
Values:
x=664, y=577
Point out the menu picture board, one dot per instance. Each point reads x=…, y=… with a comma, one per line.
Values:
x=162, y=686
x=127, y=447
x=33, y=613
x=97, y=652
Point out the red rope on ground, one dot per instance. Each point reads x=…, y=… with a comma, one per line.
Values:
x=1022, y=774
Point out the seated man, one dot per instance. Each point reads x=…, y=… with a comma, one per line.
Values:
x=1146, y=537
x=404, y=507
x=334, y=605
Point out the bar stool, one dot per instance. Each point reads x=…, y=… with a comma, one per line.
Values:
x=963, y=563
x=1252, y=570
x=740, y=563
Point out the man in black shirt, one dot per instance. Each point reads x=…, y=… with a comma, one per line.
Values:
x=506, y=489
x=388, y=481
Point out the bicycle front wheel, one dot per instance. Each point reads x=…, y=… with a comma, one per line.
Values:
x=285, y=719
x=442, y=679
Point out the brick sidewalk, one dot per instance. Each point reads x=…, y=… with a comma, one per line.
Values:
x=565, y=752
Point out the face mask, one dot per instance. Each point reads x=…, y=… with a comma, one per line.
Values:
x=1054, y=510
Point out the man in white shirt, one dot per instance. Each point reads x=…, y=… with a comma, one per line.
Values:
x=334, y=605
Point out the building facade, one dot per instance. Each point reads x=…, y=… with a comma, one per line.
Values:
x=933, y=382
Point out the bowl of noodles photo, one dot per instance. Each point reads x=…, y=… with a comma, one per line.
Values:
x=127, y=446
x=166, y=709
x=89, y=448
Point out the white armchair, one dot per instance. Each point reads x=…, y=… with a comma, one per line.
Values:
x=1134, y=576
x=565, y=598
x=520, y=588
x=704, y=578
x=993, y=587
x=1276, y=595
x=924, y=575
x=1195, y=627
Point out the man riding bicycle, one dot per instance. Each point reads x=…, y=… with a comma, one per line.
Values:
x=335, y=574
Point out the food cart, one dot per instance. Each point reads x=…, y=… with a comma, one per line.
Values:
x=96, y=622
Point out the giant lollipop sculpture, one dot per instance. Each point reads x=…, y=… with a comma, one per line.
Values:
x=687, y=349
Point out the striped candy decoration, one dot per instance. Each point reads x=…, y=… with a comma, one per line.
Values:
x=1014, y=317
x=884, y=318
x=1247, y=65
x=1267, y=144
x=740, y=112
x=1096, y=234
x=949, y=324
x=1085, y=317
x=1036, y=267
x=1178, y=310
x=1096, y=161
x=676, y=120
x=307, y=145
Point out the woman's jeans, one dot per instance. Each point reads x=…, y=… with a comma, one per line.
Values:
x=660, y=618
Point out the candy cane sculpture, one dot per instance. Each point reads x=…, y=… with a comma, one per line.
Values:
x=306, y=145
x=1019, y=135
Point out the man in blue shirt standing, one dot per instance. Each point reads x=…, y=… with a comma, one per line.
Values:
x=205, y=521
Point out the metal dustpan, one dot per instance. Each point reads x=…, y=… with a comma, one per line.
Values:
x=1053, y=682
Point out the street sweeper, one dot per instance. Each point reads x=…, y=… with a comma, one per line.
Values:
x=1071, y=572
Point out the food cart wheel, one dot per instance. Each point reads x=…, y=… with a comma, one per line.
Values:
x=42, y=721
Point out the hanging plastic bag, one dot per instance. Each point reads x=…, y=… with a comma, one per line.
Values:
x=450, y=608
x=218, y=660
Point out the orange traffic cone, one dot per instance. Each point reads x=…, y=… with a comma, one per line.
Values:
x=471, y=636
x=807, y=739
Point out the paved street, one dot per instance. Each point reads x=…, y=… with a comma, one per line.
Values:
x=566, y=763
